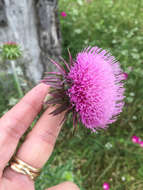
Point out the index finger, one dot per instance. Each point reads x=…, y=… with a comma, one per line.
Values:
x=15, y=122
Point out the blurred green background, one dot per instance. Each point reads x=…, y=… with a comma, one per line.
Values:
x=90, y=159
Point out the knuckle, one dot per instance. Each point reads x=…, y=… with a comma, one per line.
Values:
x=31, y=105
x=48, y=137
x=14, y=128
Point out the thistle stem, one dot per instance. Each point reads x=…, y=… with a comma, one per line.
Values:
x=107, y=169
x=19, y=90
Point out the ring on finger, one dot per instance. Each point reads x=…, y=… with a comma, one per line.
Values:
x=24, y=168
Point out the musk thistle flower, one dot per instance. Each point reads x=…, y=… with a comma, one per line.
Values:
x=91, y=87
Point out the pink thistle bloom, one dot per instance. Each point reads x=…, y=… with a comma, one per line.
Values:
x=135, y=139
x=10, y=43
x=106, y=186
x=141, y=143
x=92, y=88
x=63, y=14
x=125, y=76
x=96, y=88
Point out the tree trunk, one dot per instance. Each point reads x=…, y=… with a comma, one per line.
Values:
x=34, y=25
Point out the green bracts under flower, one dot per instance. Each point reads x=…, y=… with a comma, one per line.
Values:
x=10, y=51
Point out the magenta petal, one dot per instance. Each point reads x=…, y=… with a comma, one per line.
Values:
x=135, y=139
x=125, y=76
x=106, y=186
x=141, y=144
x=63, y=14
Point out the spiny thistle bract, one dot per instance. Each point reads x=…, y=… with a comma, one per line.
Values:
x=91, y=87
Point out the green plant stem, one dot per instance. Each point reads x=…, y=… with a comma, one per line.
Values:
x=19, y=90
x=107, y=169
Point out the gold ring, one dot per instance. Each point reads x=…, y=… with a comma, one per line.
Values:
x=24, y=168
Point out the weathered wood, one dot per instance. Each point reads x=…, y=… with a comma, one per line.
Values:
x=34, y=25
x=3, y=18
x=48, y=29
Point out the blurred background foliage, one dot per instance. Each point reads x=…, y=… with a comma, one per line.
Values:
x=90, y=159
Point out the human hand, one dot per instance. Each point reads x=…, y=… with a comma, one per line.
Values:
x=38, y=144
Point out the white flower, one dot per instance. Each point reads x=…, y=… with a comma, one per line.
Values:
x=132, y=94
x=123, y=178
x=108, y=145
x=134, y=117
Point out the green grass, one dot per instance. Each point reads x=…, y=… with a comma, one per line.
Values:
x=7, y=90
x=85, y=158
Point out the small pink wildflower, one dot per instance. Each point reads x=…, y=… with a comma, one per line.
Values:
x=141, y=143
x=125, y=76
x=106, y=186
x=63, y=14
x=135, y=139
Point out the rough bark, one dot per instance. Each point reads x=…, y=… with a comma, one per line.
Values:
x=48, y=30
x=3, y=18
x=34, y=25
